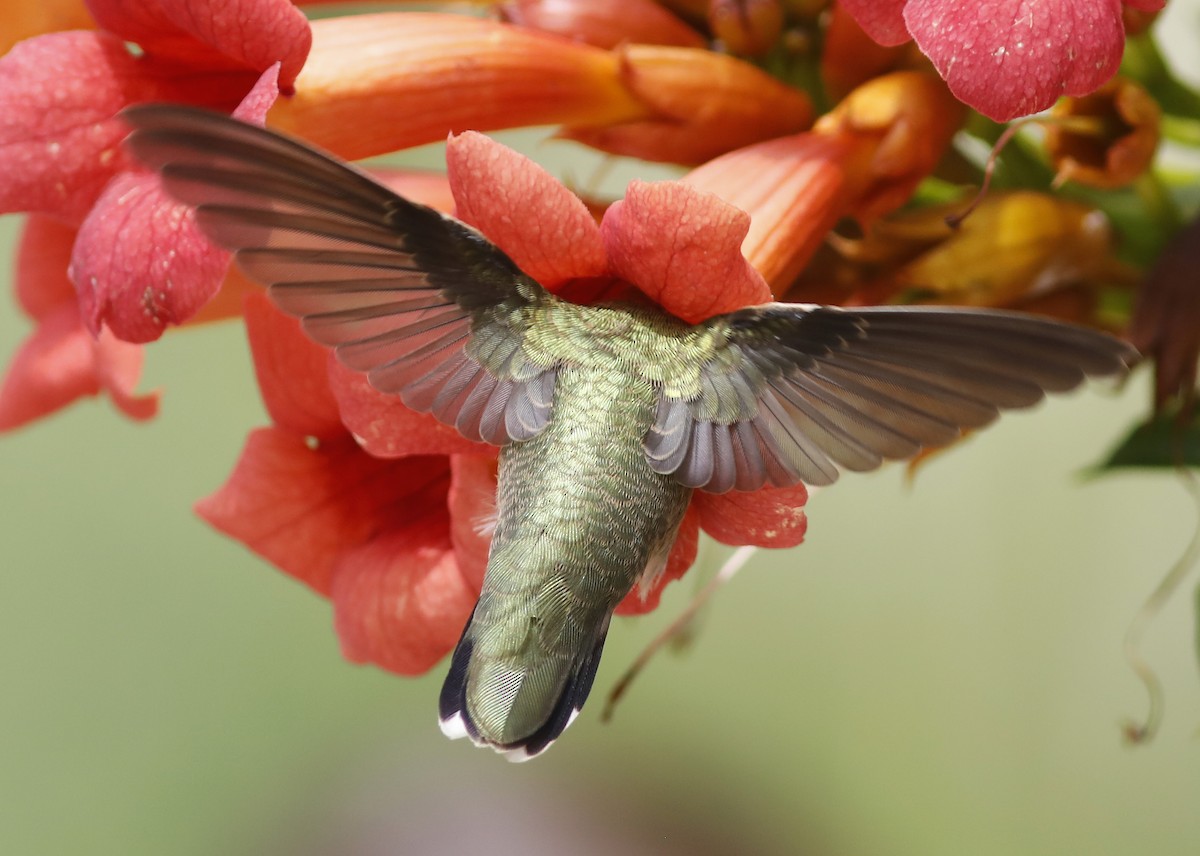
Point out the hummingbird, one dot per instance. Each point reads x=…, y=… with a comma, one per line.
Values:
x=607, y=416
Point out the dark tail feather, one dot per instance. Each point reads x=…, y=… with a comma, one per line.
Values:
x=455, y=720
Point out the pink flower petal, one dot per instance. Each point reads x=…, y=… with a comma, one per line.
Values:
x=682, y=247
x=472, y=503
x=385, y=427
x=42, y=257
x=683, y=554
x=882, y=20
x=771, y=517
x=1010, y=58
x=230, y=34
x=255, y=103
x=301, y=508
x=544, y=228
x=400, y=601
x=292, y=372
x=61, y=362
x=58, y=139
x=141, y=263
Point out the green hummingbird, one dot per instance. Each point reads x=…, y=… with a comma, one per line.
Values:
x=608, y=416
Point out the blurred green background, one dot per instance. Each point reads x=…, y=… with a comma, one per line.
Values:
x=938, y=670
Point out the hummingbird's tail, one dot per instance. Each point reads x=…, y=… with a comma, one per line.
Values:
x=454, y=709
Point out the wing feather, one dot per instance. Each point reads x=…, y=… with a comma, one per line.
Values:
x=793, y=393
x=398, y=290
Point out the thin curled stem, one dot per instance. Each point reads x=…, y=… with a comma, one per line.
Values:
x=1135, y=732
x=727, y=572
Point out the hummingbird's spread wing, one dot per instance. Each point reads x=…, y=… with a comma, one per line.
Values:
x=795, y=392
x=423, y=304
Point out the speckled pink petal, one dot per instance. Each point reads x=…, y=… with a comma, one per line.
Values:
x=400, y=601
x=292, y=372
x=1010, y=58
x=59, y=140
x=542, y=226
x=303, y=507
x=61, y=363
x=683, y=555
x=385, y=427
x=682, y=247
x=140, y=262
x=213, y=34
x=771, y=517
x=882, y=20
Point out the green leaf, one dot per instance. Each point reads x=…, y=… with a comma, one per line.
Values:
x=1163, y=441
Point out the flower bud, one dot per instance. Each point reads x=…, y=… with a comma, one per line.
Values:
x=1106, y=139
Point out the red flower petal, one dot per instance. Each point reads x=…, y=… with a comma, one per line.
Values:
x=682, y=247
x=385, y=427
x=771, y=517
x=472, y=503
x=141, y=263
x=301, y=508
x=58, y=139
x=882, y=20
x=292, y=372
x=544, y=228
x=42, y=283
x=245, y=34
x=61, y=363
x=683, y=554
x=400, y=601
x=1009, y=58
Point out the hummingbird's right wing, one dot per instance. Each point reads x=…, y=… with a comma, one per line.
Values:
x=792, y=392
x=423, y=304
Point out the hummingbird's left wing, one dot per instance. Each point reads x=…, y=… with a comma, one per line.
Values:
x=792, y=392
x=423, y=304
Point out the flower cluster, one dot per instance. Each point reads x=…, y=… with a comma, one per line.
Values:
x=820, y=147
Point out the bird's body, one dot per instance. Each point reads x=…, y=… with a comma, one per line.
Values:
x=608, y=417
x=580, y=518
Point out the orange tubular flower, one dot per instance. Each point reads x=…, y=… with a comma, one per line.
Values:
x=376, y=83
x=902, y=124
x=20, y=21
x=862, y=160
x=1106, y=139
x=701, y=105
